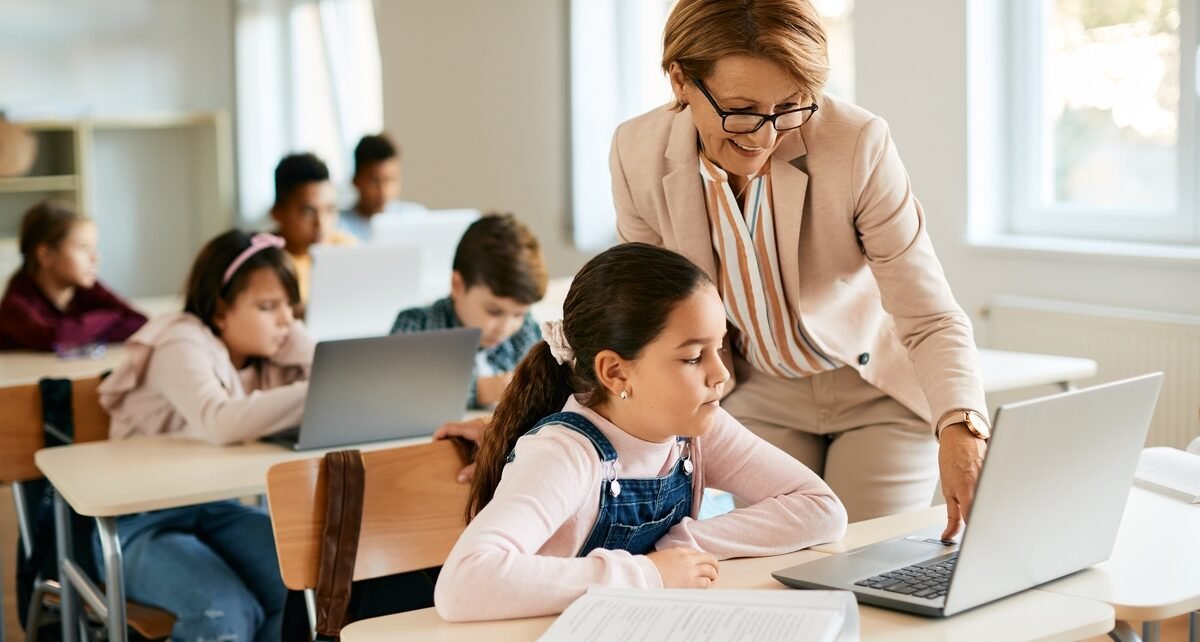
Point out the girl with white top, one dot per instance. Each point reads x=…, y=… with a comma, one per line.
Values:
x=594, y=467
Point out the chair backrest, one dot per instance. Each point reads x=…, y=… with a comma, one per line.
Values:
x=412, y=512
x=21, y=434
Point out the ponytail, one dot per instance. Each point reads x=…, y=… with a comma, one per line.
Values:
x=618, y=301
x=539, y=387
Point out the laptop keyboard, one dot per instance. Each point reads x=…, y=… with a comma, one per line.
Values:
x=926, y=580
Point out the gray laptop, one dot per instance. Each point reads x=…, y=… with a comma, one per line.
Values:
x=1048, y=503
x=381, y=388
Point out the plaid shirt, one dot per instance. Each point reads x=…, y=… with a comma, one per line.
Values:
x=440, y=316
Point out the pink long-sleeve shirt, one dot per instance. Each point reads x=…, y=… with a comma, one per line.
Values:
x=178, y=380
x=523, y=544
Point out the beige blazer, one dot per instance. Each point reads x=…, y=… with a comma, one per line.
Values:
x=857, y=263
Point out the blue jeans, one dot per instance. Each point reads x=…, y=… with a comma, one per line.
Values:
x=212, y=565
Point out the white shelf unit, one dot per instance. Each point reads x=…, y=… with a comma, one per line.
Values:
x=158, y=186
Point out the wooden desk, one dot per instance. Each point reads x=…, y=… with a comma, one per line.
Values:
x=1154, y=571
x=108, y=479
x=23, y=368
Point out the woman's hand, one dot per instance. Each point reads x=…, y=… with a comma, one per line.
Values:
x=470, y=430
x=960, y=459
x=685, y=567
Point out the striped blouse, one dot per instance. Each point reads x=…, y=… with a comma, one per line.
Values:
x=772, y=336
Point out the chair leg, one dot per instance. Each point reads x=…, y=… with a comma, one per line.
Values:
x=37, y=606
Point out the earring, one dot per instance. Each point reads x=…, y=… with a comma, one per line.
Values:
x=624, y=394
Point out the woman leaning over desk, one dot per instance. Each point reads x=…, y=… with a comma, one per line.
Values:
x=848, y=348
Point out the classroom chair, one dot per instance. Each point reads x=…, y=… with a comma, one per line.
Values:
x=21, y=436
x=412, y=514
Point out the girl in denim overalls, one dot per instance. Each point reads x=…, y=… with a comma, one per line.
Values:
x=593, y=468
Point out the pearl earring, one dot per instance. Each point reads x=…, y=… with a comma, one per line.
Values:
x=624, y=394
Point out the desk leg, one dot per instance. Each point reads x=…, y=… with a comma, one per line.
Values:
x=62, y=541
x=1194, y=626
x=1150, y=631
x=114, y=572
x=1067, y=386
x=1122, y=632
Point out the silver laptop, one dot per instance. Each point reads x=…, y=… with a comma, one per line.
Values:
x=436, y=231
x=381, y=388
x=1048, y=503
x=357, y=290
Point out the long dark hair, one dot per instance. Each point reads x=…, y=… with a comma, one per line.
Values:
x=619, y=301
x=205, y=284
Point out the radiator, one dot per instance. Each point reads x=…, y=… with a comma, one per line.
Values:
x=1123, y=342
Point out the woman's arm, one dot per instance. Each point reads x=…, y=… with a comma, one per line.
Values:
x=631, y=226
x=790, y=506
x=495, y=570
x=914, y=290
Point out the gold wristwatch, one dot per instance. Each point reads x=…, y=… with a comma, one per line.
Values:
x=974, y=421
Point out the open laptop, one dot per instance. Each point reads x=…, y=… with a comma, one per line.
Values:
x=1048, y=503
x=357, y=290
x=437, y=232
x=381, y=388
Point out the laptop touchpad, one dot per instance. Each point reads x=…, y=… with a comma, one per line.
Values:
x=901, y=552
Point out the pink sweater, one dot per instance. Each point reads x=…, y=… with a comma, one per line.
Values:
x=517, y=557
x=178, y=380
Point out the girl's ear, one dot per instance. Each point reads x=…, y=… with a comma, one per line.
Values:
x=220, y=316
x=42, y=256
x=613, y=372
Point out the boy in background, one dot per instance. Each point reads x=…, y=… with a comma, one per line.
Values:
x=305, y=211
x=499, y=272
x=377, y=181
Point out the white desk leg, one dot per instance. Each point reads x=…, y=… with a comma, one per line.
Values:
x=1067, y=386
x=62, y=541
x=1150, y=631
x=114, y=572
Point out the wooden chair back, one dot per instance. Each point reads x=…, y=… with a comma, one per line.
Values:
x=21, y=432
x=412, y=512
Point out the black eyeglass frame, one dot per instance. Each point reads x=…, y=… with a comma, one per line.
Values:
x=762, y=118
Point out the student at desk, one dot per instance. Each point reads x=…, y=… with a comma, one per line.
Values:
x=305, y=210
x=377, y=180
x=233, y=366
x=498, y=273
x=592, y=471
x=54, y=301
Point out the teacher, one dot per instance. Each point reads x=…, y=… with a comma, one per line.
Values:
x=848, y=348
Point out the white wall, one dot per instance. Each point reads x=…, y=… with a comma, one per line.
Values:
x=476, y=93
x=916, y=78
x=76, y=58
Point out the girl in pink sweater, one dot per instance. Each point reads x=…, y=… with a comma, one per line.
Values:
x=599, y=453
x=233, y=366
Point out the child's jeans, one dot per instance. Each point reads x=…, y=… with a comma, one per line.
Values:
x=212, y=565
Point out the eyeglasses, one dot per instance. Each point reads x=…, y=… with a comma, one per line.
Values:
x=744, y=122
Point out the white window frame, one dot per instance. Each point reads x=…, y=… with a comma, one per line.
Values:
x=1029, y=150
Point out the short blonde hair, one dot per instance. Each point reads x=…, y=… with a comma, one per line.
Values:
x=786, y=32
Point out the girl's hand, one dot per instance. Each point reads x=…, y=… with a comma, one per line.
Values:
x=471, y=431
x=685, y=567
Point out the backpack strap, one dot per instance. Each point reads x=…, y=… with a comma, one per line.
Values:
x=345, y=480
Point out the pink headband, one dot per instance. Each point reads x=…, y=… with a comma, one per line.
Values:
x=258, y=243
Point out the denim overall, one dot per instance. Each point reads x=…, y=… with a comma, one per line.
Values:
x=634, y=513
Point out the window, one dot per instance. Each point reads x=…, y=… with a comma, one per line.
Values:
x=1101, y=115
x=616, y=58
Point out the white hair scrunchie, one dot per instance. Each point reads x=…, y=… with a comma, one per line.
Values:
x=552, y=333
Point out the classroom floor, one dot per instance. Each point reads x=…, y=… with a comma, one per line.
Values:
x=1174, y=630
